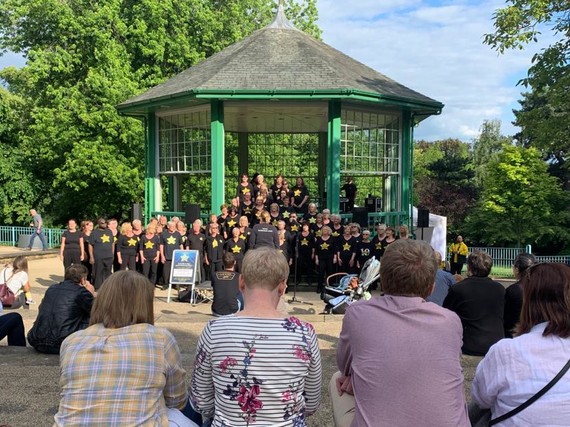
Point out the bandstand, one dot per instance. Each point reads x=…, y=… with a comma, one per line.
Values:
x=280, y=101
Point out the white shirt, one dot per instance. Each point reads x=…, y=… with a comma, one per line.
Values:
x=15, y=282
x=516, y=369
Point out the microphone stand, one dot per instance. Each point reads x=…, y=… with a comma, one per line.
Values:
x=294, y=299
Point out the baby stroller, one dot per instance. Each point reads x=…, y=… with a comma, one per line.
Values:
x=351, y=287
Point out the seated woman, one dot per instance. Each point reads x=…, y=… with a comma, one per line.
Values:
x=12, y=327
x=122, y=370
x=515, y=369
x=256, y=367
x=16, y=278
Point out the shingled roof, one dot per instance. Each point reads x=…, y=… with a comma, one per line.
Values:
x=280, y=58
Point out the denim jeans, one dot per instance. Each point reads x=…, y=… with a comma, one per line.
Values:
x=42, y=237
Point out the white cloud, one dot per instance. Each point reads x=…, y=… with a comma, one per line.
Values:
x=436, y=49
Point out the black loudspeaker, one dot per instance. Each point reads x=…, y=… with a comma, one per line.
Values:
x=360, y=215
x=423, y=218
x=192, y=213
x=136, y=211
x=373, y=204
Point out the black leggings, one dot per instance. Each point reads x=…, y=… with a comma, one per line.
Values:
x=12, y=326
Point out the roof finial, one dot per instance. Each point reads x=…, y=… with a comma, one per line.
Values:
x=280, y=20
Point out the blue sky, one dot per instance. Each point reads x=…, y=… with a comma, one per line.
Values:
x=434, y=47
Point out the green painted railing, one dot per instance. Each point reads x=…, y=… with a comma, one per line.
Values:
x=10, y=235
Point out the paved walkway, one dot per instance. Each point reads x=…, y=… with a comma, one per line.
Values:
x=29, y=394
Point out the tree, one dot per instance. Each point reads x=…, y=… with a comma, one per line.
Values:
x=83, y=58
x=486, y=147
x=443, y=180
x=545, y=111
x=520, y=203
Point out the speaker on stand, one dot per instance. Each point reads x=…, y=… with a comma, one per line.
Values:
x=360, y=215
x=423, y=219
x=192, y=213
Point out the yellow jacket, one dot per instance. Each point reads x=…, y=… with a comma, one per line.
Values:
x=458, y=252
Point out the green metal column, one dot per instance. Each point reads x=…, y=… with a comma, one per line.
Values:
x=333, y=156
x=152, y=190
x=243, y=153
x=218, y=154
x=171, y=195
x=322, y=162
x=406, y=172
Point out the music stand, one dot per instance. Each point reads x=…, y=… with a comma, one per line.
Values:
x=294, y=299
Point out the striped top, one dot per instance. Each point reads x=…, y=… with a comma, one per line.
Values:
x=257, y=372
x=120, y=377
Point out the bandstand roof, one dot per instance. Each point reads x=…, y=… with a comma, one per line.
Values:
x=280, y=62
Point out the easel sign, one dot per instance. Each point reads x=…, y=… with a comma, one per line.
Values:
x=184, y=269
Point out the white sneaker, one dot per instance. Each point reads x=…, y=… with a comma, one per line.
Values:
x=30, y=301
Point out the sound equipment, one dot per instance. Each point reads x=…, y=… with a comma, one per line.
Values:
x=423, y=218
x=373, y=204
x=192, y=213
x=136, y=211
x=343, y=204
x=360, y=215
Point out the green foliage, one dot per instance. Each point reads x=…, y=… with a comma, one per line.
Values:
x=443, y=180
x=486, y=148
x=78, y=156
x=520, y=203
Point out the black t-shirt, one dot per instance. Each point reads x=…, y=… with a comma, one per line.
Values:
x=364, y=251
x=349, y=190
x=170, y=242
x=149, y=247
x=127, y=245
x=237, y=249
x=196, y=242
x=102, y=242
x=226, y=289
x=214, y=248
x=345, y=248
x=305, y=245
x=379, y=246
x=324, y=248
x=264, y=235
x=299, y=194
x=71, y=241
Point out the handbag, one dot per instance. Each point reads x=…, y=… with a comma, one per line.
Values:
x=6, y=295
x=533, y=399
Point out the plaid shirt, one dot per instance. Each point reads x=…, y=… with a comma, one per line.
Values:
x=120, y=377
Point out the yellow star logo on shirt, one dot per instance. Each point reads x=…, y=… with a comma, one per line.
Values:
x=245, y=190
x=335, y=234
x=346, y=247
x=231, y=223
x=105, y=239
x=295, y=227
x=312, y=220
x=132, y=242
x=171, y=240
x=325, y=246
x=319, y=233
x=247, y=210
x=236, y=249
x=275, y=222
x=378, y=246
x=286, y=214
x=149, y=245
x=304, y=242
x=215, y=243
x=115, y=239
x=242, y=237
x=297, y=193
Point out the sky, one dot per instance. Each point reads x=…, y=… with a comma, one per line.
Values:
x=434, y=47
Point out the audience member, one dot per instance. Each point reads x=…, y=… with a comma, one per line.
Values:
x=515, y=369
x=65, y=309
x=264, y=233
x=15, y=276
x=479, y=302
x=443, y=282
x=122, y=370
x=256, y=367
x=514, y=294
x=12, y=327
x=399, y=358
x=227, y=297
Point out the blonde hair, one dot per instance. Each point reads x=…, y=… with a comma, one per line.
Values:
x=151, y=228
x=126, y=227
x=124, y=299
x=264, y=268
